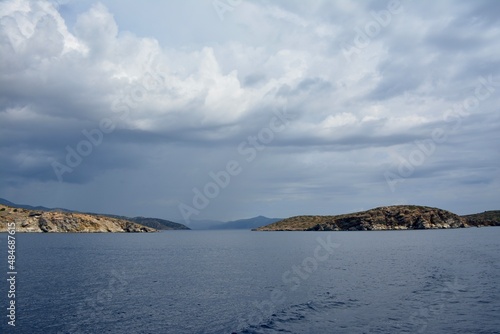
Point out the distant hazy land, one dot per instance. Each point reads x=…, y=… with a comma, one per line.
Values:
x=239, y=224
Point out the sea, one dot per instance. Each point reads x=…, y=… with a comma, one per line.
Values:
x=419, y=281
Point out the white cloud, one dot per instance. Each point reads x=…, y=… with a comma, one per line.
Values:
x=339, y=120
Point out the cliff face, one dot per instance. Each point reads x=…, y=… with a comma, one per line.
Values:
x=398, y=217
x=54, y=221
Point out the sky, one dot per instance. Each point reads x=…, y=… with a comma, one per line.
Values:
x=228, y=109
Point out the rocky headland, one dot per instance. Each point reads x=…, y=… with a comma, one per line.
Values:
x=57, y=221
x=397, y=217
x=487, y=218
x=157, y=223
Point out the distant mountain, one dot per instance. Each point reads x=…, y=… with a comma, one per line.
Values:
x=397, y=217
x=240, y=224
x=245, y=224
x=204, y=224
x=159, y=224
x=30, y=207
x=155, y=223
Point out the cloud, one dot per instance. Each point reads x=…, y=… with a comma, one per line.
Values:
x=182, y=96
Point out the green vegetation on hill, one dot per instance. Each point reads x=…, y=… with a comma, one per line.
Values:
x=158, y=224
x=487, y=218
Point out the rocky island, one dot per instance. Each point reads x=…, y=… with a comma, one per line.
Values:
x=58, y=221
x=397, y=217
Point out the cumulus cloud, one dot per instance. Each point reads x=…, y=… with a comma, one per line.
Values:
x=176, y=107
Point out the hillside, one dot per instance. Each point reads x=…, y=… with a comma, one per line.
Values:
x=487, y=218
x=55, y=221
x=155, y=223
x=398, y=217
x=158, y=224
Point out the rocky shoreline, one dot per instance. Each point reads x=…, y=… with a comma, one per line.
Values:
x=66, y=222
x=397, y=217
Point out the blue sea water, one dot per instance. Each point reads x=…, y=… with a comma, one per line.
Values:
x=432, y=281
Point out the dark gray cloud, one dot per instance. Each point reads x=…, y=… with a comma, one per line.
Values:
x=131, y=108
